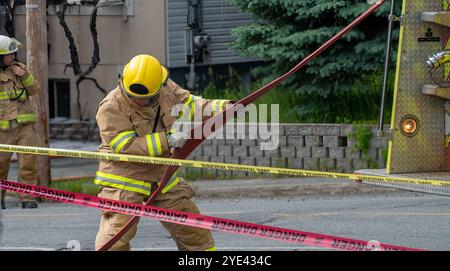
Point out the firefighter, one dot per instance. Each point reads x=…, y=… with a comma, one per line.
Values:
x=17, y=115
x=137, y=118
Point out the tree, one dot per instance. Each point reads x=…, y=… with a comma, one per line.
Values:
x=286, y=31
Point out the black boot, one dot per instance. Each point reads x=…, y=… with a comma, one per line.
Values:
x=29, y=205
x=2, y=198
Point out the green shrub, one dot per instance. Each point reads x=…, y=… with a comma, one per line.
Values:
x=343, y=84
x=361, y=105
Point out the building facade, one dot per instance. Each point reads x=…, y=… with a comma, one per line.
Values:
x=188, y=36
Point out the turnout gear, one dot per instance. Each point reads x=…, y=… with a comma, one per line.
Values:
x=129, y=128
x=143, y=76
x=24, y=135
x=17, y=115
x=14, y=97
x=178, y=198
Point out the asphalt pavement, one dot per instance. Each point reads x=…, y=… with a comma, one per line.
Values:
x=410, y=220
x=328, y=206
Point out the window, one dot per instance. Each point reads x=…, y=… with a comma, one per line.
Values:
x=59, y=98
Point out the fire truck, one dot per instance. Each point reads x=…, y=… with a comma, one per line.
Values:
x=419, y=135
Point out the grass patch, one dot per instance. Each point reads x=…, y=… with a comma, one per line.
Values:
x=83, y=186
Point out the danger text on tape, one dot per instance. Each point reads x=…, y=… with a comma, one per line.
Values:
x=201, y=221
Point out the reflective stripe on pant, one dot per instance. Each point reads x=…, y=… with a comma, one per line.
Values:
x=178, y=198
x=25, y=135
x=128, y=184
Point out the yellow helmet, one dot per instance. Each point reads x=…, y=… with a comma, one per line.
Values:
x=143, y=76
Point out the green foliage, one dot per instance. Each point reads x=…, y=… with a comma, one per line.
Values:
x=360, y=105
x=193, y=174
x=288, y=99
x=361, y=135
x=345, y=76
x=384, y=153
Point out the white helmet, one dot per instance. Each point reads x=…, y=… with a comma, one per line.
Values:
x=8, y=45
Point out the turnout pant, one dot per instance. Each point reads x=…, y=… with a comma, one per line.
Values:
x=25, y=135
x=178, y=198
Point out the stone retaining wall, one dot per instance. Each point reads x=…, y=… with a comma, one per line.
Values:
x=330, y=147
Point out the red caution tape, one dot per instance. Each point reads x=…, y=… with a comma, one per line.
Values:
x=201, y=221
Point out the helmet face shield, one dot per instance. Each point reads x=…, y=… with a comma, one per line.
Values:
x=143, y=76
x=13, y=46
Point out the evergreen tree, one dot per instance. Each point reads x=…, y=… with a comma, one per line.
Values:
x=286, y=31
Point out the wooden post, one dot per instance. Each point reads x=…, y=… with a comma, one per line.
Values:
x=37, y=62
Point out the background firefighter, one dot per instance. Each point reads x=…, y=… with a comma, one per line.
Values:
x=17, y=115
x=136, y=118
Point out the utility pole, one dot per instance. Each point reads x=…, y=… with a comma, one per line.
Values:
x=37, y=62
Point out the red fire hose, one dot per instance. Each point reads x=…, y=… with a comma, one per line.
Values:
x=225, y=116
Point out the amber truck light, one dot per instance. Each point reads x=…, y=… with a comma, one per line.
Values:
x=409, y=125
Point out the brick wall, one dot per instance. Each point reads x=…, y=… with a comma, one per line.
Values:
x=303, y=146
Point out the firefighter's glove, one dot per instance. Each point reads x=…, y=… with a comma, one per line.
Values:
x=177, y=139
x=17, y=70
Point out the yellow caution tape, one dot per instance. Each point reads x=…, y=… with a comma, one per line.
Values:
x=212, y=165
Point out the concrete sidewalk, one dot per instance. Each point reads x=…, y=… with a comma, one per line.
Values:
x=303, y=187
x=235, y=188
x=299, y=188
